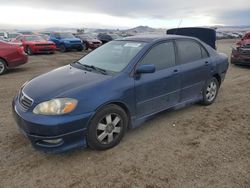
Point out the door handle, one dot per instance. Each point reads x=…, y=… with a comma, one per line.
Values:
x=206, y=63
x=176, y=71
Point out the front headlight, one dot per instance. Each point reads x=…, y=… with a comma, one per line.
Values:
x=56, y=106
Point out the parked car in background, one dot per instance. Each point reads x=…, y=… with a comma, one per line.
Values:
x=34, y=44
x=26, y=32
x=66, y=41
x=241, y=54
x=12, y=36
x=45, y=37
x=3, y=35
x=89, y=41
x=94, y=100
x=11, y=55
x=104, y=37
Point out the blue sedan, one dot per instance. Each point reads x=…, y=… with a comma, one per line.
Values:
x=95, y=100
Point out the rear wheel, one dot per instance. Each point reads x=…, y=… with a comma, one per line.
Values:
x=80, y=49
x=210, y=91
x=3, y=67
x=107, y=128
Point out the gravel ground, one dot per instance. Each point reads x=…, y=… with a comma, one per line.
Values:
x=195, y=146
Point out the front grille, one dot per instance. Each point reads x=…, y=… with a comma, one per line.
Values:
x=75, y=42
x=96, y=43
x=25, y=101
x=244, y=51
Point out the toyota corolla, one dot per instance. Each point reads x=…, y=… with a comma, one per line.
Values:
x=95, y=100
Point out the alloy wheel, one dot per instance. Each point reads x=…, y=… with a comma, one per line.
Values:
x=211, y=91
x=109, y=128
x=2, y=67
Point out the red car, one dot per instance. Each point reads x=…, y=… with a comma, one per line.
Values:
x=89, y=41
x=34, y=44
x=241, y=54
x=11, y=55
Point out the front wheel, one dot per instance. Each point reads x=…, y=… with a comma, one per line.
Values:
x=62, y=48
x=3, y=67
x=29, y=51
x=107, y=128
x=210, y=91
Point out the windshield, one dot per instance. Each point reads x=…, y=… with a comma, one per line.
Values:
x=114, y=36
x=13, y=35
x=34, y=38
x=113, y=56
x=66, y=35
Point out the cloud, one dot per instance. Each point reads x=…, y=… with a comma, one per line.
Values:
x=160, y=11
x=235, y=17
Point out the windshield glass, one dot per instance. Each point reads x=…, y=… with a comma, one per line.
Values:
x=13, y=35
x=34, y=38
x=113, y=56
x=66, y=35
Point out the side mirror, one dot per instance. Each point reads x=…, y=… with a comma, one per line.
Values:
x=143, y=69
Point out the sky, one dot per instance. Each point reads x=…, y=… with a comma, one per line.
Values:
x=123, y=13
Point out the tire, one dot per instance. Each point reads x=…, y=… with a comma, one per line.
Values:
x=29, y=51
x=210, y=91
x=107, y=127
x=62, y=48
x=3, y=67
x=80, y=49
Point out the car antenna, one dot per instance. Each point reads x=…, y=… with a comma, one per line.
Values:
x=178, y=26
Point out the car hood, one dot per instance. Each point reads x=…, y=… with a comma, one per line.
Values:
x=41, y=42
x=245, y=42
x=62, y=82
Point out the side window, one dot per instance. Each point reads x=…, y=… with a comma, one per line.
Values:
x=204, y=52
x=162, y=56
x=188, y=51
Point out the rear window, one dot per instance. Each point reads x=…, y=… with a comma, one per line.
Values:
x=190, y=51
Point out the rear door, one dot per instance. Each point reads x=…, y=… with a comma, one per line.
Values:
x=195, y=68
x=159, y=90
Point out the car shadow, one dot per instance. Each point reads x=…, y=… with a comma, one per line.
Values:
x=17, y=70
x=243, y=66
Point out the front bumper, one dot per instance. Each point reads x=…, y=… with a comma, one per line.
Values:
x=73, y=46
x=70, y=131
x=43, y=49
x=93, y=45
x=237, y=58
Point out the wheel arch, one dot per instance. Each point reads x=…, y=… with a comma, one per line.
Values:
x=218, y=78
x=122, y=105
x=5, y=61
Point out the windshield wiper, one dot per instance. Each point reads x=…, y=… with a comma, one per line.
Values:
x=92, y=67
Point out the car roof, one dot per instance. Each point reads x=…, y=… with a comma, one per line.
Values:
x=152, y=38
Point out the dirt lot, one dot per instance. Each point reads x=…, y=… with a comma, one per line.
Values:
x=196, y=146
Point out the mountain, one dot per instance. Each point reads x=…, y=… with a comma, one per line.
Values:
x=141, y=29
